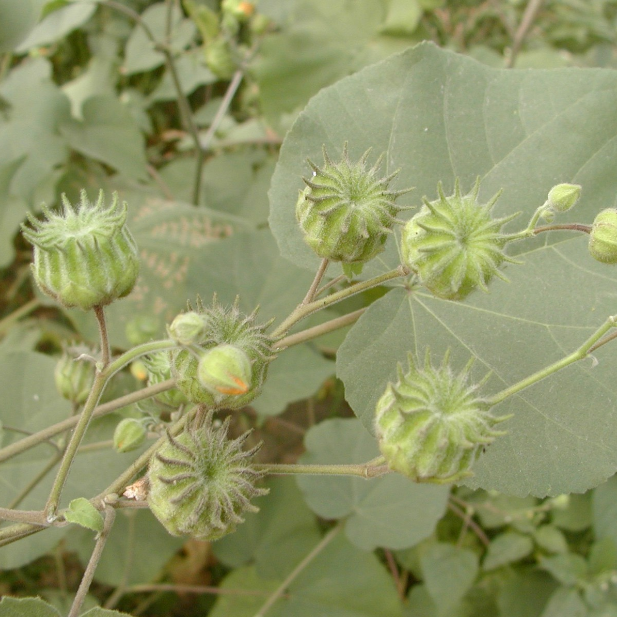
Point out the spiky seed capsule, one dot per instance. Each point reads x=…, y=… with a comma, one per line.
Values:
x=454, y=245
x=84, y=257
x=225, y=326
x=603, y=237
x=225, y=370
x=562, y=197
x=130, y=433
x=346, y=211
x=73, y=376
x=431, y=426
x=201, y=482
x=187, y=328
x=158, y=369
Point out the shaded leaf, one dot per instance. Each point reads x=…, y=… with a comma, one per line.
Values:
x=565, y=603
x=30, y=607
x=525, y=594
x=567, y=568
x=83, y=513
x=506, y=548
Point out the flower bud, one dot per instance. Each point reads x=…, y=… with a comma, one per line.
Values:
x=187, y=328
x=201, y=482
x=431, y=426
x=243, y=349
x=158, y=368
x=454, y=245
x=130, y=433
x=85, y=257
x=225, y=369
x=74, y=377
x=603, y=237
x=346, y=212
x=562, y=197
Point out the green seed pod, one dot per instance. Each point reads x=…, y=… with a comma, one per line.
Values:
x=225, y=326
x=431, y=426
x=85, y=257
x=562, y=197
x=225, y=370
x=158, y=368
x=187, y=328
x=201, y=482
x=454, y=245
x=130, y=433
x=74, y=377
x=346, y=212
x=603, y=237
x=219, y=58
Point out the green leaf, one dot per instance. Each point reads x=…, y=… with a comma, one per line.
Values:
x=419, y=602
x=501, y=510
x=57, y=24
x=389, y=511
x=525, y=594
x=567, y=568
x=277, y=538
x=604, y=510
x=83, y=513
x=30, y=607
x=602, y=557
x=506, y=548
x=16, y=21
x=577, y=515
x=439, y=116
x=449, y=572
x=551, y=539
x=402, y=18
x=97, y=611
x=565, y=603
x=108, y=134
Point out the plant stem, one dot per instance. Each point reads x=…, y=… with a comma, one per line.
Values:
x=298, y=569
x=44, y=435
x=7, y=322
x=316, y=331
x=80, y=596
x=363, y=470
x=99, y=313
x=140, y=350
x=531, y=9
x=310, y=294
x=575, y=356
x=304, y=310
x=35, y=481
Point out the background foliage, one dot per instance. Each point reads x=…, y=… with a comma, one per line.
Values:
x=87, y=100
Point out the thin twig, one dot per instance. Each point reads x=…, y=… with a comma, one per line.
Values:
x=310, y=294
x=528, y=16
x=472, y=524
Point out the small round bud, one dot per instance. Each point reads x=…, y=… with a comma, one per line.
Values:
x=231, y=332
x=562, y=197
x=431, y=426
x=201, y=482
x=187, y=328
x=225, y=369
x=141, y=329
x=346, y=211
x=454, y=245
x=85, y=257
x=129, y=435
x=158, y=369
x=603, y=237
x=219, y=58
x=74, y=377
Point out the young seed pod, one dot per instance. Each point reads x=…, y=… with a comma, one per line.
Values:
x=201, y=482
x=84, y=257
x=74, y=377
x=130, y=433
x=603, y=237
x=346, y=211
x=225, y=328
x=431, y=426
x=187, y=328
x=562, y=197
x=454, y=245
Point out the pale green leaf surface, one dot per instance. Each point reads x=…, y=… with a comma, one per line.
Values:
x=26, y=607
x=276, y=538
x=602, y=557
x=604, y=510
x=567, y=568
x=192, y=73
x=525, y=594
x=500, y=510
x=389, y=511
x=419, y=602
x=108, y=134
x=57, y=24
x=83, y=513
x=506, y=548
x=550, y=539
x=99, y=78
x=97, y=611
x=449, y=572
x=12, y=211
x=297, y=374
x=577, y=515
x=565, y=603
x=173, y=240
x=16, y=20
x=140, y=54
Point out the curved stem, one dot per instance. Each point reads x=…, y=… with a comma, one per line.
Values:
x=372, y=469
x=140, y=350
x=310, y=294
x=528, y=16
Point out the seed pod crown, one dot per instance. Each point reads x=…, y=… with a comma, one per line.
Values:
x=431, y=425
x=454, y=245
x=201, y=482
x=347, y=211
x=84, y=257
x=225, y=327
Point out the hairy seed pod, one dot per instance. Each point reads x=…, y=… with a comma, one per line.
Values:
x=454, y=245
x=201, y=482
x=603, y=237
x=563, y=197
x=158, y=369
x=74, y=376
x=84, y=257
x=130, y=434
x=225, y=327
x=431, y=425
x=347, y=211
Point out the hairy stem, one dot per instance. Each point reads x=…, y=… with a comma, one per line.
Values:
x=372, y=469
x=310, y=294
